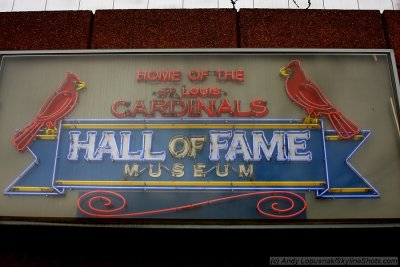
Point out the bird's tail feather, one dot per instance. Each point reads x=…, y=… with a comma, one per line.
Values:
x=343, y=125
x=24, y=137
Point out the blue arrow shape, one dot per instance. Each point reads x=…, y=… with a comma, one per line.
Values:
x=37, y=178
x=344, y=180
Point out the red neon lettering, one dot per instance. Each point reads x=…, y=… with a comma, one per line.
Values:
x=140, y=76
x=161, y=76
x=234, y=75
x=190, y=108
x=204, y=92
x=195, y=92
x=259, y=108
x=240, y=75
x=210, y=92
x=158, y=106
x=116, y=105
x=176, y=76
x=139, y=107
x=164, y=76
x=197, y=75
x=225, y=107
x=230, y=75
x=194, y=75
x=152, y=75
x=204, y=74
x=185, y=93
x=209, y=110
x=238, y=112
x=179, y=103
x=215, y=92
x=220, y=74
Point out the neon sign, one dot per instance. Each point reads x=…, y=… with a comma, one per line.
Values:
x=196, y=101
x=262, y=155
x=307, y=94
x=60, y=104
x=192, y=138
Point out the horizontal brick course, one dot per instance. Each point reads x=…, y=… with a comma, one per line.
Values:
x=288, y=28
x=45, y=30
x=168, y=28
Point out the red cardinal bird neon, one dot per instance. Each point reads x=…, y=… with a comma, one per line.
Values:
x=307, y=95
x=59, y=104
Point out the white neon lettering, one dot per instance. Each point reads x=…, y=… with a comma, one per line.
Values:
x=239, y=145
x=260, y=143
x=157, y=173
x=76, y=145
x=125, y=144
x=243, y=172
x=281, y=146
x=134, y=171
x=216, y=144
x=223, y=173
x=179, y=141
x=196, y=143
x=297, y=141
x=199, y=170
x=148, y=154
x=178, y=170
x=107, y=145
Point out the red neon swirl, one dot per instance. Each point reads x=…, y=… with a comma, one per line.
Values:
x=109, y=211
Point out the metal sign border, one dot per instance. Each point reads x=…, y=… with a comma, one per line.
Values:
x=328, y=224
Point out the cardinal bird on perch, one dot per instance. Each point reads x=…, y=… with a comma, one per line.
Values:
x=60, y=104
x=307, y=95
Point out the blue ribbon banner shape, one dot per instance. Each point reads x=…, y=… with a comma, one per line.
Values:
x=225, y=154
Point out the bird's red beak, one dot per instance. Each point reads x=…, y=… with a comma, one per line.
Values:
x=285, y=72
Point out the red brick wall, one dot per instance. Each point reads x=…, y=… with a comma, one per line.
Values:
x=185, y=28
x=391, y=20
x=311, y=28
x=45, y=30
x=200, y=28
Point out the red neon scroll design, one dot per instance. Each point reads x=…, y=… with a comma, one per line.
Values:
x=60, y=104
x=308, y=95
x=109, y=204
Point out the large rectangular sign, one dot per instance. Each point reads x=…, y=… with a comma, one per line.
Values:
x=167, y=135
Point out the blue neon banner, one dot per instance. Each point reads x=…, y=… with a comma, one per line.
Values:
x=182, y=154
